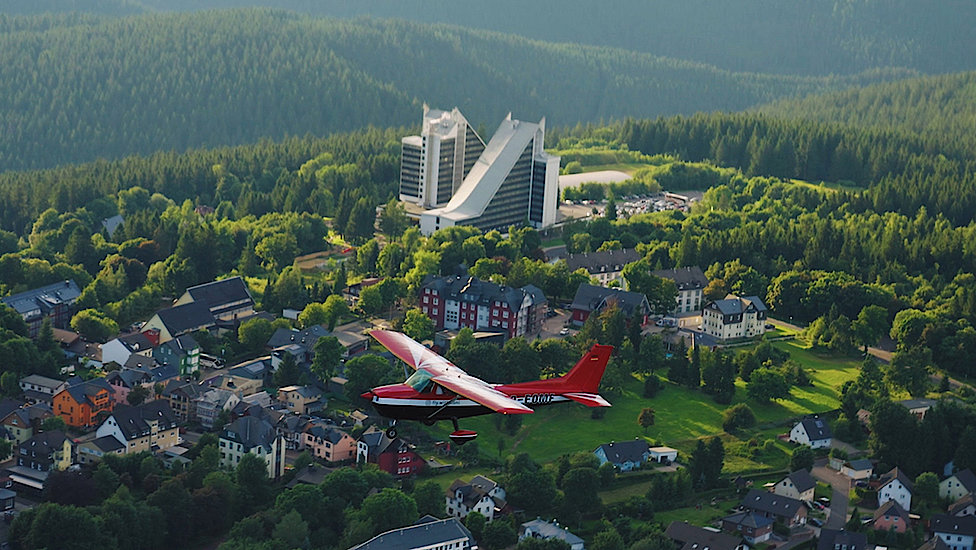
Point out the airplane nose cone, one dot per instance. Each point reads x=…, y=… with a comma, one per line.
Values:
x=368, y=395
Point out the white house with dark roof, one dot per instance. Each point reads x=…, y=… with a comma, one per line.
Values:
x=752, y=527
x=958, y=533
x=964, y=506
x=226, y=299
x=691, y=537
x=690, y=282
x=833, y=539
x=734, y=317
x=897, y=486
x=149, y=427
x=544, y=530
x=799, y=485
x=478, y=495
x=606, y=266
x=256, y=436
x=958, y=485
x=122, y=348
x=858, y=469
x=812, y=432
x=41, y=389
x=624, y=455
x=427, y=534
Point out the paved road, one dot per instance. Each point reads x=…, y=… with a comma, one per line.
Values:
x=837, y=515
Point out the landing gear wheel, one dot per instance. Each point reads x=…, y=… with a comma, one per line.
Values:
x=391, y=432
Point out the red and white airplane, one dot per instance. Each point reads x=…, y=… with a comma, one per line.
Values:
x=439, y=390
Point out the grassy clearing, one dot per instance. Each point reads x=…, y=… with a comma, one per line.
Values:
x=627, y=167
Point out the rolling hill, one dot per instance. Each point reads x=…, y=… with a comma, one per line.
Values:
x=75, y=88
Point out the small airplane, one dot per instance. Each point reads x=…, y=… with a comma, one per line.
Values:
x=439, y=390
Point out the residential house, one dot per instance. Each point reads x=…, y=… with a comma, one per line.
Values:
x=182, y=396
x=212, y=402
x=897, y=486
x=734, y=318
x=254, y=435
x=23, y=422
x=690, y=282
x=480, y=495
x=183, y=351
x=247, y=378
x=122, y=348
x=45, y=451
x=692, y=537
x=41, y=389
x=606, y=266
x=541, y=529
x=957, y=485
x=329, y=443
x=428, y=534
x=312, y=474
x=752, y=527
x=291, y=427
x=918, y=407
x=860, y=469
x=965, y=506
x=790, y=511
x=300, y=343
x=301, y=399
x=891, y=517
x=394, y=456
x=83, y=404
x=123, y=381
x=812, y=432
x=176, y=321
x=799, y=485
x=957, y=532
x=149, y=427
x=353, y=338
x=227, y=299
x=934, y=543
x=592, y=299
x=832, y=539
x=112, y=224
x=52, y=302
x=468, y=302
x=93, y=450
x=624, y=455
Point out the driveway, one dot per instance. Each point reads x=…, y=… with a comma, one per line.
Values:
x=837, y=514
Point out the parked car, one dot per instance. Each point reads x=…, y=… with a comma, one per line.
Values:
x=211, y=362
x=564, y=332
x=824, y=500
x=816, y=521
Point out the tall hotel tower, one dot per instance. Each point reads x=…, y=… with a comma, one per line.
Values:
x=434, y=164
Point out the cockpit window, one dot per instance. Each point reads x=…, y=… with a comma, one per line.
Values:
x=419, y=380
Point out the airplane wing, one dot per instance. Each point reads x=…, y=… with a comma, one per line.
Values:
x=447, y=374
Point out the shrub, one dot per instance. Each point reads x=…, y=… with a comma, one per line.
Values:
x=737, y=417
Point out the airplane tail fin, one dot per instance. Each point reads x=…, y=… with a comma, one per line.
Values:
x=585, y=376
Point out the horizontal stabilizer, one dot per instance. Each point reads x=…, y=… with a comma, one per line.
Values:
x=588, y=399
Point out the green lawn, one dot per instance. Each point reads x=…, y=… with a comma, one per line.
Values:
x=628, y=167
x=682, y=415
x=705, y=516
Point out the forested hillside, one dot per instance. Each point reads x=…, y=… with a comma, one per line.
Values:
x=109, y=88
x=940, y=108
x=816, y=37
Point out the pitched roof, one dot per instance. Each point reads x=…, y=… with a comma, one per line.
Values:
x=190, y=389
x=860, y=464
x=816, y=428
x=891, y=508
x=472, y=491
x=83, y=392
x=967, y=479
x=223, y=295
x=308, y=392
x=964, y=502
x=186, y=318
x=181, y=345
x=474, y=290
x=136, y=341
x=133, y=422
x=900, y=475
x=591, y=298
x=831, y=539
x=734, y=305
x=961, y=525
x=422, y=535
x=547, y=530
x=771, y=503
x=253, y=370
x=326, y=433
x=43, y=381
x=250, y=432
x=802, y=480
x=44, y=298
x=45, y=442
x=911, y=404
x=603, y=261
x=685, y=278
x=748, y=519
x=108, y=444
x=305, y=338
x=618, y=452
x=934, y=543
x=694, y=537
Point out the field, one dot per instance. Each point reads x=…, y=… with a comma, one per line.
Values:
x=682, y=416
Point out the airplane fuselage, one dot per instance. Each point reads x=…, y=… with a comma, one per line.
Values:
x=401, y=402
